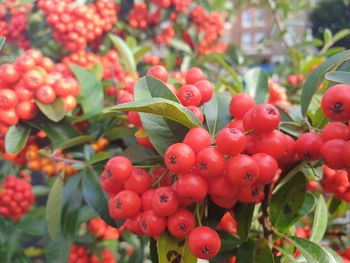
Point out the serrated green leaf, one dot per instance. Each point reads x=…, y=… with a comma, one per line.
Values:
x=91, y=92
x=54, y=207
x=311, y=251
x=54, y=111
x=257, y=85
x=320, y=221
x=338, y=76
x=172, y=249
x=125, y=52
x=217, y=113
x=16, y=138
x=287, y=201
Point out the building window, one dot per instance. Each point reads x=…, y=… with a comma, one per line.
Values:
x=247, y=18
x=259, y=37
x=247, y=40
x=260, y=17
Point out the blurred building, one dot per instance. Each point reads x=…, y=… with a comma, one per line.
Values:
x=254, y=28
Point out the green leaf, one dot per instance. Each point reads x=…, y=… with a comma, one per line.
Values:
x=263, y=252
x=308, y=205
x=334, y=205
x=119, y=133
x=100, y=157
x=91, y=91
x=57, y=251
x=54, y=111
x=2, y=42
x=334, y=254
x=149, y=87
x=311, y=251
x=246, y=252
x=140, y=52
x=97, y=69
x=153, y=251
x=161, y=107
x=180, y=45
x=40, y=190
x=338, y=76
x=287, y=201
x=243, y=214
x=320, y=221
x=327, y=36
x=33, y=227
x=94, y=196
x=125, y=52
x=171, y=249
x=16, y=138
x=82, y=139
x=217, y=113
x=315, y=78
x=54, y=207
x=257, y=84
x=58, y=132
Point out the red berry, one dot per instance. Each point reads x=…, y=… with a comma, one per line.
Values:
x=134, y=119
x=23, y=94
x=220, y=188
x=206, y=89
x=66, y=86
x=146, y=199
x=198, y=139
x=204, y=242
x=197, y=113
x=26, y=110
x=152, y=224
x=210, y=162
x=191, y=188
x=45, y=94
x=164, y=201
x=181, y=223
x=236, y=124
x=265, y=117
x=179, y=158
x=242, y=170
x=331, y=152
x=308, y=146
x=335, y=130
x=126, y=204
x=193, y=75
x=119, y=168
x=189, y=95
x=33, y=79
x=230, y=141
x=158, y=72
x=9, y=73
x=272, y=143
x=268, y=167
x=336, y=102
x=345, y=153
x=240, y=104
x=8, y=99
x=25, y=63
x=251, y=194
x=9, y=117
x=138, y=182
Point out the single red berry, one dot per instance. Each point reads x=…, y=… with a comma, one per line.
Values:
x=133, y=225
x=345, y=153
x=268, y=167
x=8, y=99
x=197, y=113
x=25, y=63
x=220, y=188
x=265, y=117
x=45, y=94
x=191, y=188
x=9, y=73
x=210, y=162
x=206, y=89
x=165, y=202
x=66, y=86
x=134, y=119
x=126, y=204
x=272, y=143
x=138, y=182
x=23, y=94
x=9, y=117
x=331, y=152
x=33, y=79
x=227, y=203
x=189, y=95
x=179, y=158
x=181, y=223
x=119, y=167
x=242, y=170
x=335, y=130
x=289, y=152
x=146, y=199
x=336, y=102
x=230, y=141
x=193, y=75
x=152, y=224
x=308, y=146
x=240, y=104
x=204, y=242
x=236, y=124
x=109, y=183
x=198, y=139
x=158, y=72
x=251, y=194
x=26, y=110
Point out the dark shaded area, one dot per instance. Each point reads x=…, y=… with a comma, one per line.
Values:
x=332, y=14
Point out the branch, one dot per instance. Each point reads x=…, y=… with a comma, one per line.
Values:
x=265, y=218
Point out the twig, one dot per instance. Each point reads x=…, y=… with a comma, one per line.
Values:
x=265, y=219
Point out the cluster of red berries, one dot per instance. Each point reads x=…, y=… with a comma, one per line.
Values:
x=81, y=254
x=166, y=36
x=139, y=16
x=295, y=79
x=345, y=254
x=34, y=77
x=210, y=29
x=149, y=212
x=151, y=60
x=100, y=229
x=75, y=25
x=13, y=22
x=195, y=92
x=16, y=197
x=277, y=94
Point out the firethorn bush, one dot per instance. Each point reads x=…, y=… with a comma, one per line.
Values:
x=132, y=131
